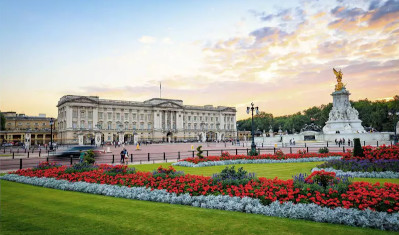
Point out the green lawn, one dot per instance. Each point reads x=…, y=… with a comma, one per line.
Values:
x=271, y=170
x=27, y=209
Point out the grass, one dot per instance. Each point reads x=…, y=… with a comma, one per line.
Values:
x=271, y=170
x=36, y=210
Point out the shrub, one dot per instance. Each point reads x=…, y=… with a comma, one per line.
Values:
x=81, y=167
x=279, y=154
x=119, y=170
x=301, y=151
x=46, y=165
x=357, y=148
x=322, y=181
x=253, y=152
x=324, y=150
x=225, y=154
x=199, y=152
x=229, y=176
x=89, y=157
x=167, y=172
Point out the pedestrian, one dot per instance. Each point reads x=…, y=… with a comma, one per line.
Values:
x=343, y=141
x=82, y=156
x=336, y=141
x=123, y=156
x=349, y=142
x=339, y=142
x=290, y=141
x=126, y=157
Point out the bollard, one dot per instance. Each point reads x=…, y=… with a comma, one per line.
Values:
x=327, y=144
x=259, y=151
x=164, y=156
x=262, y=144
x=247, y=151
x=274, y=150
x=377, y=143
x=236, y=152
x=290, y=149
x=221, y=152
x=307, y=149
x=148, y=156
x=305, y=145
x=131, y=157
x=40, y=152
x=343, y=149
x=20, y=163
x=71, y=160
x=113, y=158
x=178, y=155
x=207, y=154
x=193, y=154
x=18, y=150
x=364, y=143
x=47, y=159
x=12, y=155
x=28, y=154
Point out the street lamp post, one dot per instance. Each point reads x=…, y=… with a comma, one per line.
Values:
x=252, y=108
x=51, y=133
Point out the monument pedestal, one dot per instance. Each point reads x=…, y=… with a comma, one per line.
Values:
x=343, y=118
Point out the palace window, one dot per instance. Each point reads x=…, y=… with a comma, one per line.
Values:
x=134, y=116
x=82, y=124
x=90, y=125
x=75, y=113
x=141, y=125
x=82, y=114
x=141, y=117
x=195, y=126
x=90, y=113
x=118, y=116
x=100, y=115
x=74, y=125
x=109, y=116
x=134, y=126
x=126, y=116
x=216, y=118
x=149, y=126
x=109, y=125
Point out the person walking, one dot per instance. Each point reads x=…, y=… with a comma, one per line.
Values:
x=126, y=157
x=82, y=156
x=123, y=156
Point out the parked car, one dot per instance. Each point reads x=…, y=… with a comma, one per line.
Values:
x=75, y=151
x=7, y=145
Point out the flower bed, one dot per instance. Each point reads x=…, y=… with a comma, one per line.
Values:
x=377, y=153
x=256, y=161
x=379, y=165
x=279, y=156
x=359, y=195
x=360, y=174
x=313, y=212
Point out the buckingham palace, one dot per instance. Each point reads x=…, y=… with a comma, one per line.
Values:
x=91, y=120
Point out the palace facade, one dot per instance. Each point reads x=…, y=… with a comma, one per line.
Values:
x=31, y=130
x=89, y=119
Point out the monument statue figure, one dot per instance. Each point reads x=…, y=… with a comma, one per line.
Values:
x=338, y=75
x=343, y=118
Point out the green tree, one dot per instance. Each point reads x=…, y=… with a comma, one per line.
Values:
x=2, y=122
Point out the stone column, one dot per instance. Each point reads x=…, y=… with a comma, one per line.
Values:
x=27, y=140
x=98, y=138
x=80, y=138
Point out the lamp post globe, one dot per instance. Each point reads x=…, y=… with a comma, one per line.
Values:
x=51, y=133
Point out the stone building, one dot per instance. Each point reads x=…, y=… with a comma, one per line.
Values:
x=91, y=120
x=21, y=128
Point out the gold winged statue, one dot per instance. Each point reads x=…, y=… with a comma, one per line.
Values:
x=338, y=75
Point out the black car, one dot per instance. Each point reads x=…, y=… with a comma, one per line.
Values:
x=75, y=151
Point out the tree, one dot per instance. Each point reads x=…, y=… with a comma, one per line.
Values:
x=2, y=122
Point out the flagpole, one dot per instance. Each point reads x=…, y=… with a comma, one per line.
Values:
x=160, y=90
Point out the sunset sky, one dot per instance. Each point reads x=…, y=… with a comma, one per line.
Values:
x=277, y=54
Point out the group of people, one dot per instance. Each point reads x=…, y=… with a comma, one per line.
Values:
x=342, y=142
x=124, y=156
x=292, y=141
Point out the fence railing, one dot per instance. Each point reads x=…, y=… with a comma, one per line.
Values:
x=139, y=158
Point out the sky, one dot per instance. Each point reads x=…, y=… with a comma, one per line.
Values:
x=277, y=54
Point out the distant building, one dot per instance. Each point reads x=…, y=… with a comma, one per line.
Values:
x=152, y=120
x=18, y=125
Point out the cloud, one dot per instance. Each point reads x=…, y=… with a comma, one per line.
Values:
x=389, y=9
x=147, y=40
